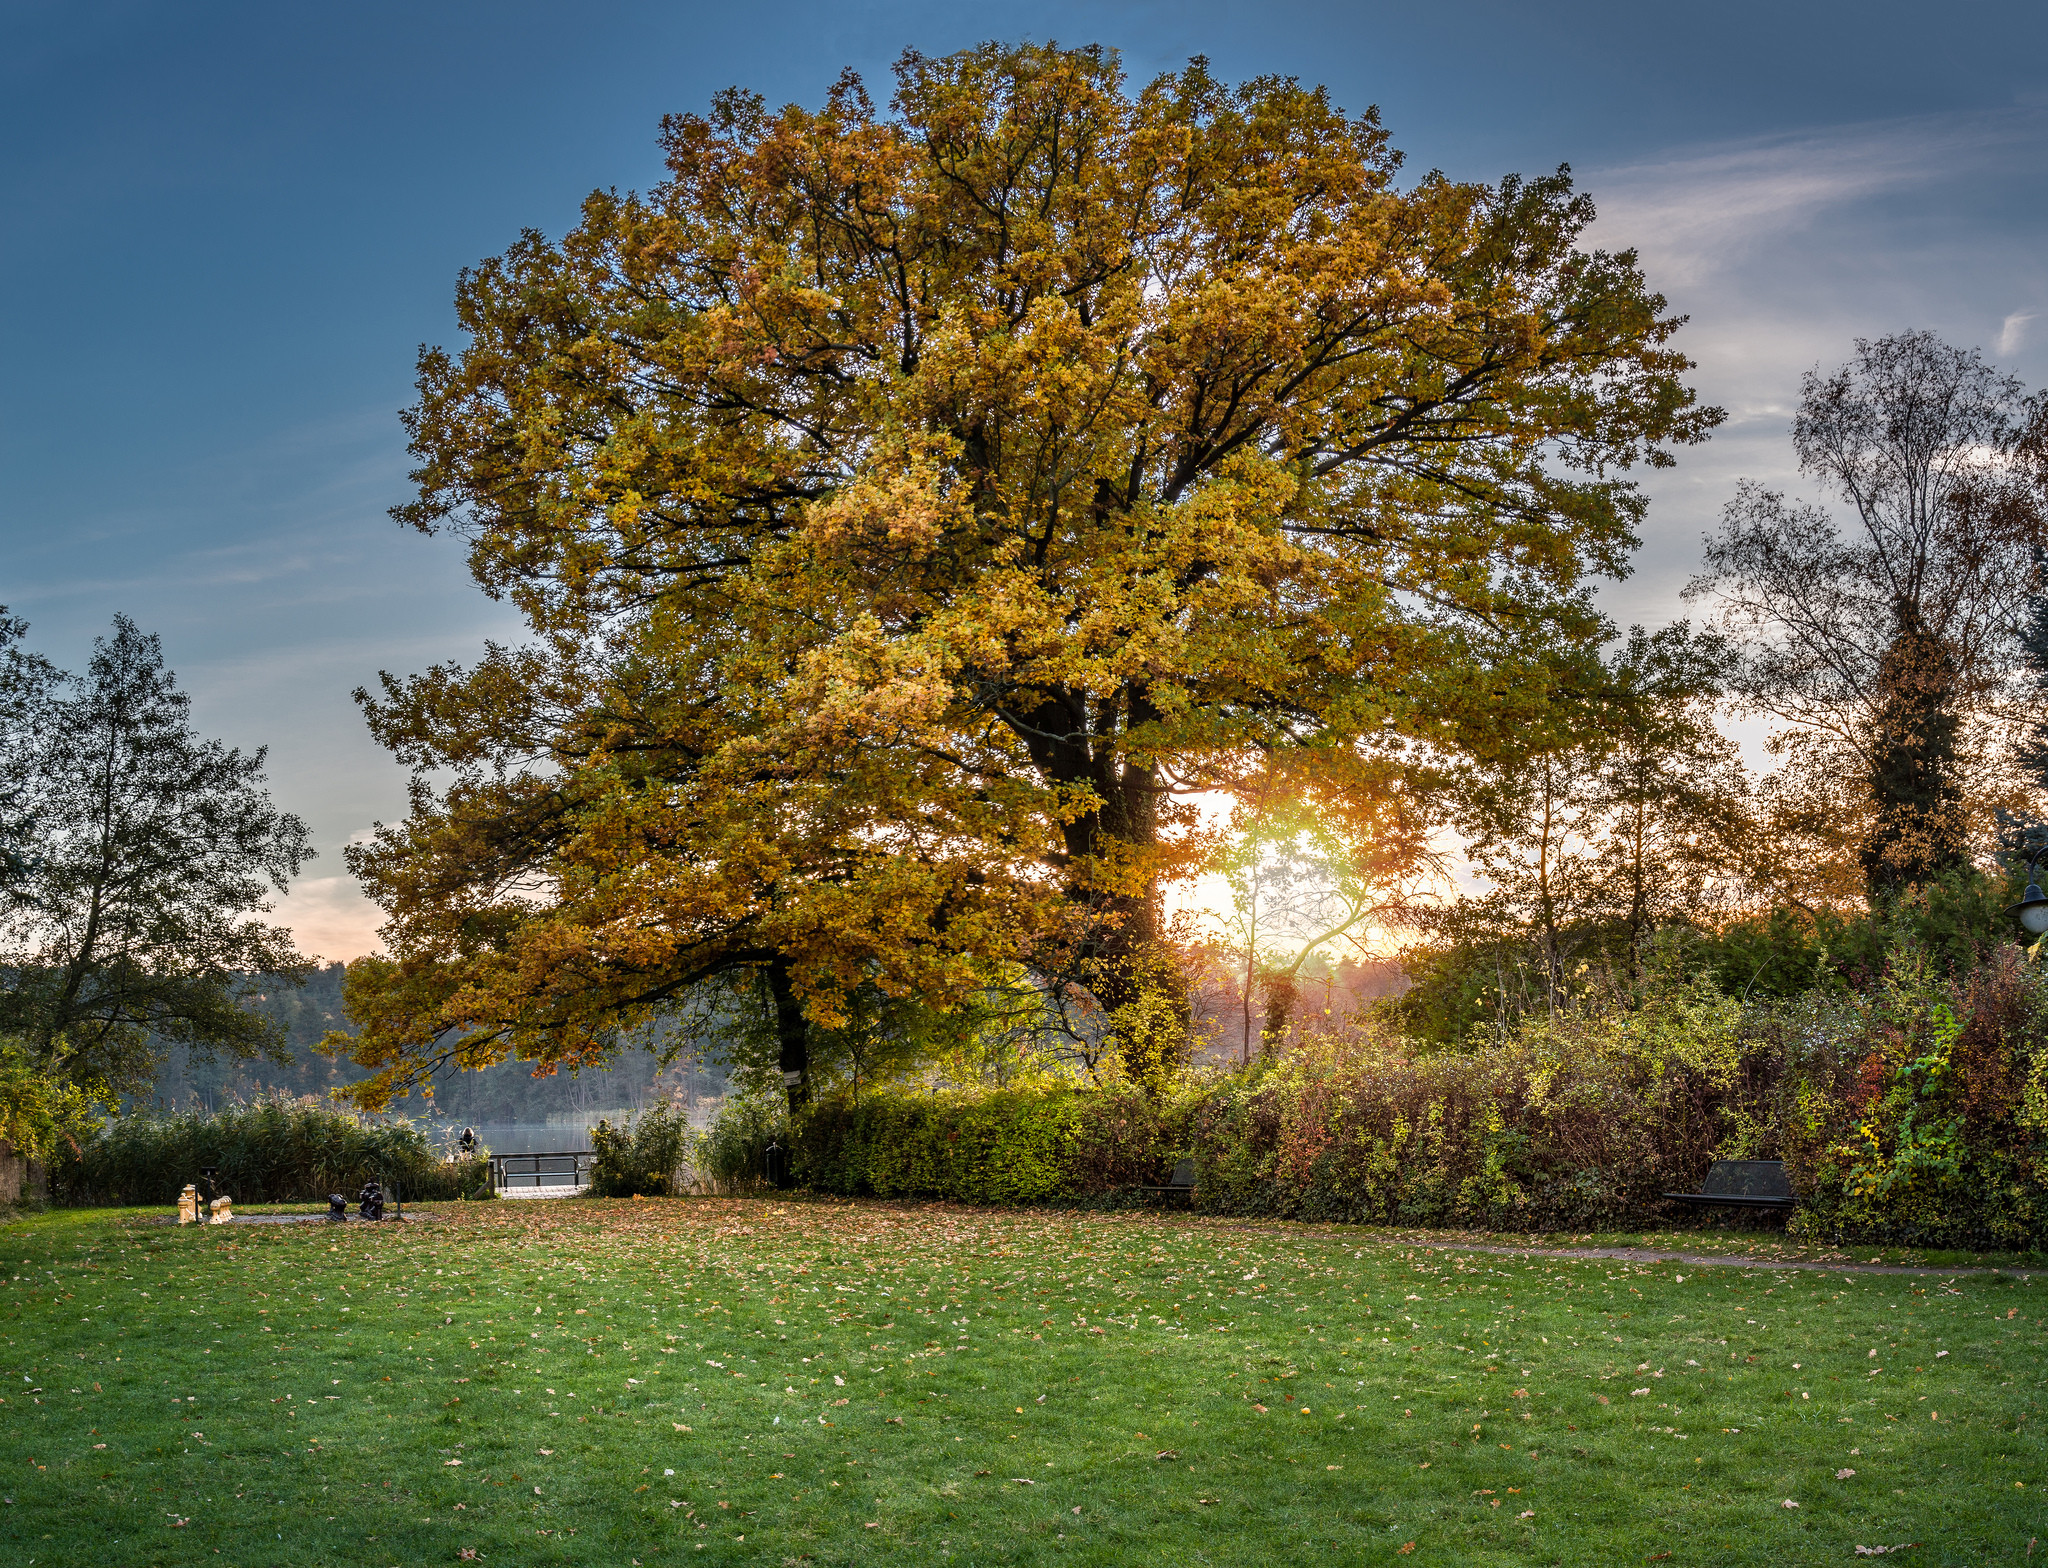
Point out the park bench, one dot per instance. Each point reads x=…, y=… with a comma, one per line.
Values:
x=1181, y=1184
x=1742, y=1184
x=513, y=1174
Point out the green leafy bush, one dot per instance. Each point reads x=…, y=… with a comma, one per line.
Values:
x=43, y=1114
x=1933, y=1130
x=646, y=1157
x=274, y=1151
x=1573, y=1121
x=733, y=1156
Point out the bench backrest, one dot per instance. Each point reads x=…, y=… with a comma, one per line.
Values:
x=1748, y=1179
x=1183, y=1174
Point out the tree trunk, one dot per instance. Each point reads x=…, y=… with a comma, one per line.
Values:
x=1281, y=995
x=793, y=1033
x=1549, y=937
x=1138, y=986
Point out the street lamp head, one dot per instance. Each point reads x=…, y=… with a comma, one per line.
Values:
x=2032, y=911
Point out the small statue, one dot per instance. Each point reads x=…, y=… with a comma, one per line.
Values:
x=467, y=1142
x=223, y=1209
x=370, y=1201
x=188, y=1206
x=337, y=1206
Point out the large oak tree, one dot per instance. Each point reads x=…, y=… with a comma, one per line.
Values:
x=912, y=507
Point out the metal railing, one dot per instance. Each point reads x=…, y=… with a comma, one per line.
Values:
x=568, y=1169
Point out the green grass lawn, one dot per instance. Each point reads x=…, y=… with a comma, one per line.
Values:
x=711, y=1380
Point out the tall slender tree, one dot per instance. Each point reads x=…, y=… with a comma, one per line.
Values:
x=130, y=924
x=1887, y=644
x=26, y=681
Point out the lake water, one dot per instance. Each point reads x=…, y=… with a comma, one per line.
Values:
x=532, y=1137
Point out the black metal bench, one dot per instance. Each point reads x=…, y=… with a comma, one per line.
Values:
x=1743, y=1184
x=572, y=1165
x=1180, y=1184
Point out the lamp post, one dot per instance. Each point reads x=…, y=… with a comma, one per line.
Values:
x=2032, y=909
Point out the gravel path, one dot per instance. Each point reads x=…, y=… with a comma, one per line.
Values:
x=1703, y=1260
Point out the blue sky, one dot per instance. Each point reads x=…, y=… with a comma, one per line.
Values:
x=225, y=228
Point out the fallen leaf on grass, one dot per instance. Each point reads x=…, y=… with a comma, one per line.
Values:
x=1174, y=1453
x=1404, y=1549
x=1843, y=1475
x=1023, y=1480
x=1788, y=1503
x=1879, y=1551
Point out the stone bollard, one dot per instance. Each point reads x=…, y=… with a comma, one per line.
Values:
x=188, y=1206
x=223, y=1209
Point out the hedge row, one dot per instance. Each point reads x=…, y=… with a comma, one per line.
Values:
x=1032, y=1145
x=1914, y=1113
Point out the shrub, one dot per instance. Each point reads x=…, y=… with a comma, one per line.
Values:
x=42, y=1114
x=1933, y=1130
x=1570, y=1124
x=646, y=1157
x=733, y=1155
x=274, y=1151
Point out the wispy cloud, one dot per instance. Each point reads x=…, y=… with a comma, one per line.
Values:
x=1784, y=250
x=1695, y=212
